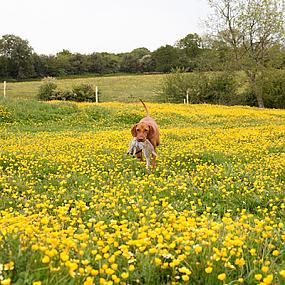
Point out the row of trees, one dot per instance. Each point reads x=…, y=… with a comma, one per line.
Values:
x=245, y=35
x=18, y=61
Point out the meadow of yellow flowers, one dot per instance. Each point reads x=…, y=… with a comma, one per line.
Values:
x=76, y=209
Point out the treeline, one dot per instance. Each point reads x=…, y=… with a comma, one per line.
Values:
x=18, y=61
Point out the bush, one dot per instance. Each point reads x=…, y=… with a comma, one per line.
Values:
x=79, y=93
x=273, y=87
x=82, y=92
x=221, y=89
x=174, y=86
x=48, y=89
x=216, y=88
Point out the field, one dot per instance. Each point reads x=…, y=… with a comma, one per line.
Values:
x=126, y=88
x=76, y=209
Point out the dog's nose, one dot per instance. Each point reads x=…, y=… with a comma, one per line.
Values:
x=140, y=140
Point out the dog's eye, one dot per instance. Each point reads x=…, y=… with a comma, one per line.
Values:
x=137, y=130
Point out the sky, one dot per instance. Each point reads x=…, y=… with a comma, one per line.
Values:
x=88, y=26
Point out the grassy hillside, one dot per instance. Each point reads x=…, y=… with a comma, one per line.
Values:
x=125, y=88
x=76, y=209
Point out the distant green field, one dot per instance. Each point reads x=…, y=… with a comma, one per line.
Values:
x=125, y=88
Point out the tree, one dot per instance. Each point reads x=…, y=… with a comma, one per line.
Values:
x=140, y=52
x=251, y=28
x=191, y=47
x=129, y=63
x=216, y=55
x=146, y=63
x=166, y=58
x=40, y=63
x=18, y=55
x=192, y=44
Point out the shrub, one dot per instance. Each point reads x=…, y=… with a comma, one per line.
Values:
x=273, y=87
x=174, y=86
x=217, y=88
x=79, y=93
x=48, y=89
x=221, y=89
x=82, y=92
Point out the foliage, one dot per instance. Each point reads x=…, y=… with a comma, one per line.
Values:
x=175, y=85
x=75, y=209
x=191, y=53
x=81, y=93
x=217, y=88
x=273, y=85
x=48, y=90
x=166, y=58
x=16, y=55
x=192, y=46
x=252, y=29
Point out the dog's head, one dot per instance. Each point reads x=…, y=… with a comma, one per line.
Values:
x=142, y=131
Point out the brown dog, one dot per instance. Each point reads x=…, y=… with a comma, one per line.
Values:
x=147, y=129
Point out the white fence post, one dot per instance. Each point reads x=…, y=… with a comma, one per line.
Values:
x=96, y=92
x=184, y=100
x=4, y=89
x=187, y=97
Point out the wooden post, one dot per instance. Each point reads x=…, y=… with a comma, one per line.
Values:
x=4, y=89
x=184, y=101
x=187, y=97
x=96, y=92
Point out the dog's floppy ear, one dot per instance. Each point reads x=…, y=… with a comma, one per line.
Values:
x=151, y=131
x=134, y=130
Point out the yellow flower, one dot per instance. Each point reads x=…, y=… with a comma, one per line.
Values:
x=98, y=257
x=94, y=272
x=109, y=271
x=240, y=262
x=64, y=256
x=198, y=248
x=125, y=275
x=45, y=259
x=209, y=269
x=185, y=270
x=268, y=279
x=258, y=277
x=131, y=267
x=222, y=276
x=157, y=261
x=37, y=283
x=275, y=253
x=282, y=273
x=264, y=269
x=253, y=251
x=88, y=281
x=115, y=278
x=6, y=281
x=9, y=266
x=185, y=278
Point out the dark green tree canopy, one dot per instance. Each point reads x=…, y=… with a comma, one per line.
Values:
x=18, y=55
x=192, y=44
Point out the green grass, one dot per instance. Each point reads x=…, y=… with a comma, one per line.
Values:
x=125, y=88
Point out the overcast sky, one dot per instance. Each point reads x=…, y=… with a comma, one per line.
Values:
x=88, y=26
